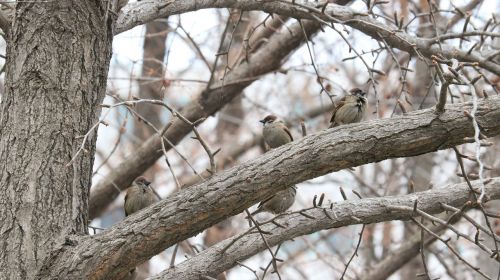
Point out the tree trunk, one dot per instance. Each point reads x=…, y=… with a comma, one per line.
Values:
x=58, y=56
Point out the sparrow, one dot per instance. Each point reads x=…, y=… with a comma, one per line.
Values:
x=350, y=109
x=275, y=132
x=278, y=203
x=139, y=195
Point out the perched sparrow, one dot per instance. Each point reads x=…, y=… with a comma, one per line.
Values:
x=139, y=195
x=278, y=203
x=275, y=132
x=350, y=109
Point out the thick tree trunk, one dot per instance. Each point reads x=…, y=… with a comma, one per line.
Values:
x=58, y=56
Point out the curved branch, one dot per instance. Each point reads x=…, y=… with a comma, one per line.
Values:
x=140, y=236
x=212, y=261
x=145, y=11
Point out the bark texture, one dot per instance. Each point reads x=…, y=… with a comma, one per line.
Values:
x=419, y=170
x=152, y=67
x=112, y=253
x=58, y=56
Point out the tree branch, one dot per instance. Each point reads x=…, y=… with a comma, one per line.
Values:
x=365, y=211
x=186, y=213
x=145, y=11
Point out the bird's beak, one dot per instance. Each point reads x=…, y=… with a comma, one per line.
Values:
x=262, y=121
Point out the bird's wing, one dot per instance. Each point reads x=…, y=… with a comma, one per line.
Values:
x=339, y=104
x=288, y=132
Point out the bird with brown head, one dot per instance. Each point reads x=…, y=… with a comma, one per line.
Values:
x=139, y=195
x=275, y=132
x=350, y=109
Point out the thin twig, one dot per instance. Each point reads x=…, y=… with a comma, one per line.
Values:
x=257, y=226
x=174, y=253
x=355, y=252
x=446, y=242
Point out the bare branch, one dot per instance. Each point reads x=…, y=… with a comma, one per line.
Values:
x=234, y=152
x=406, y=252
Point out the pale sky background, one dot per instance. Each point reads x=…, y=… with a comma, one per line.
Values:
x=126, y=61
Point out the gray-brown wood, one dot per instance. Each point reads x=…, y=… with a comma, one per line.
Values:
x=58, y=55
x=186, y=213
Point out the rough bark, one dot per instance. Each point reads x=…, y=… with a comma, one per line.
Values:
x=230, y=117
x=234, y=152
x=110, y=254
x=487, y=264
x=365, y=211
x=267, y=59
x=58, y=54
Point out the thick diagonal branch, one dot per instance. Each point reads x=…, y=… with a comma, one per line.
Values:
x=188, y=212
